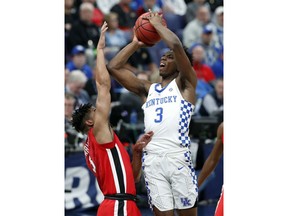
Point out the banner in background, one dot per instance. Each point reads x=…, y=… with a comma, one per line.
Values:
x=81, y=187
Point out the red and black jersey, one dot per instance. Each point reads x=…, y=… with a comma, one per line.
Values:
x=111, y=165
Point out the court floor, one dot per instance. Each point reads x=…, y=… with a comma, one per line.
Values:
x=205, y=208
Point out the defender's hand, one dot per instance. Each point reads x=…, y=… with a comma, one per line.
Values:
x=143, y=141
x=101, y=42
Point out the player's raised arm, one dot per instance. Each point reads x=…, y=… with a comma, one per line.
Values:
x=101, y=128
x=213, y=158
x=124, y=76
x=187, y=76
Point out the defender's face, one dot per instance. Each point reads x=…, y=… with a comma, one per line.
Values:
x=92, y=113
x=167, y=64
x=91, y=116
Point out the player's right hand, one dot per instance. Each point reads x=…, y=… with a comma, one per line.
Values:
x=135, y=39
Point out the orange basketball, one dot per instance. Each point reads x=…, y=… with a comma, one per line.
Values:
x=145, y=32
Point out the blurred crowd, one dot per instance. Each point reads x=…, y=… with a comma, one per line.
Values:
x=197, y=23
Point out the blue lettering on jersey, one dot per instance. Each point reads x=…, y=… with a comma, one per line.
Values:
x=157, y=101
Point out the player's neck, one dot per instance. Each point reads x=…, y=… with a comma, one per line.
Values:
x=166, y=81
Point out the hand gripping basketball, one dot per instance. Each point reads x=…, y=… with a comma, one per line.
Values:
x=145, y=31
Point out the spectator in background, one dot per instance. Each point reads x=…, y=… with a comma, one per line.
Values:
x=211, y=47
x=70, y=14
x=70, y=18
x=214, y=4
x=174, y=14
x=66, y=74
x=218, y=66
x=148, y=4
x=203, y=71
x=75, y=84
x=193, y=30
x=84, y=30
x=72, y=137
x=202, y=89
x=139, y=3
x=115, y=37
x=98, y=16
x=78, y=61
x=218, y=21
x=192, y=8
x=212, y=104
x=175, y=7
x=126, y=16
x=70, y=103
x=106, y=5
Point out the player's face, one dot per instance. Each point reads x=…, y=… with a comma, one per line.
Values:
x=167, y=64
x=89, y=120
x=92, y=113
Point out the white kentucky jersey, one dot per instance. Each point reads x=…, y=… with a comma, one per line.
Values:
x=168, y=115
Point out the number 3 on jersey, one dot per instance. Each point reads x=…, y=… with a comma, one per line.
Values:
x=159, y=113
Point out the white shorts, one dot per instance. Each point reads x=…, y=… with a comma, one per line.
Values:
x=171, y=181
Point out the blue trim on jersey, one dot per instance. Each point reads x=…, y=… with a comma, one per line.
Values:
x=185, y=117
x=187, y=155
x=146, y=182
x=159, y=84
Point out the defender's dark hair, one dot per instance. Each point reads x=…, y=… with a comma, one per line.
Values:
x=188, y=54
x=79, y=115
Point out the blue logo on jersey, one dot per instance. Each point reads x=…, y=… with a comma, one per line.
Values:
x=186, y=202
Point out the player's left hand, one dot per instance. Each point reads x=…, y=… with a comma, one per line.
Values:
x=154, y=17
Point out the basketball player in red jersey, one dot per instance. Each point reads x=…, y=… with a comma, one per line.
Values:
x=210, y=165
x=105, y=155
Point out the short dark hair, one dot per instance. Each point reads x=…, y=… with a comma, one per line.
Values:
x=79, y=115
x=188, y=54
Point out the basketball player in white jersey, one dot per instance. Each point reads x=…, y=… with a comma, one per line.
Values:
x=168, y=170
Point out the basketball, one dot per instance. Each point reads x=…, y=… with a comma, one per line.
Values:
x=145, y=32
